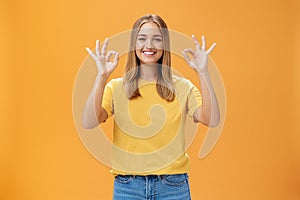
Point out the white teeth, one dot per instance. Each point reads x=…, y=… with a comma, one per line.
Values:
x=149, y=52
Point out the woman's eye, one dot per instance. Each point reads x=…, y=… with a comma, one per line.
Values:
x=158, y=39
x=141, y=39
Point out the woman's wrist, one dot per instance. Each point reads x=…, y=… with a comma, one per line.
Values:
x=102, y=77
x=203, y=72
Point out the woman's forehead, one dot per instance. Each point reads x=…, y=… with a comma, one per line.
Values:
x=150, y=28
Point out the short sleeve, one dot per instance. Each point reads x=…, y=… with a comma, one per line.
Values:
x=107, y=103
x=194, y=99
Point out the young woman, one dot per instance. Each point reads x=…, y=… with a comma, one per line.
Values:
x=150, y=105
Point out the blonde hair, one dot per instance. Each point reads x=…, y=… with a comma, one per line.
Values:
x=164, y=85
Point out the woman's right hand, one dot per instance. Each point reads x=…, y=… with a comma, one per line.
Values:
x=102, y=59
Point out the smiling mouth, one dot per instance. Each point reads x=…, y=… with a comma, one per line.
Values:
x=149, y=53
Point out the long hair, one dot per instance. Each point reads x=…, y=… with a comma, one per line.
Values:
x=164, y=85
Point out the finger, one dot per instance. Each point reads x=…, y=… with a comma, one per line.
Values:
x=109, y=54
x=203, y=43
x=196, y=43
x=116, y=59
x=104, y=46
x=91, y=53
x=211, y=48
x=189, y=50
x=97, y=47
x=185, y=55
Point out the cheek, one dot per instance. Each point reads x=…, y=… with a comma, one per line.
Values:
x=138, y=50
x=160, y=46
x=138, y=45
x=160, y=53
x=138, y=53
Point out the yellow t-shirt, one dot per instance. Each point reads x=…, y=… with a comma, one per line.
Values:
x=148, y=132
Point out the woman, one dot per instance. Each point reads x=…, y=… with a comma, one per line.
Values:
x=150, y=105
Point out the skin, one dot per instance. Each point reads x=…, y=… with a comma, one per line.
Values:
x=149, y=49
x=150, y=39
x=209, y=113
x=94, y=113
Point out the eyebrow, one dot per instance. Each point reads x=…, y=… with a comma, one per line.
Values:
x=146, y=35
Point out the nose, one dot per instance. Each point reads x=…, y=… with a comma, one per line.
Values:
x=149, y=44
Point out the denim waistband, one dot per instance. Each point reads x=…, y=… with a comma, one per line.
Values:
x=151, y=176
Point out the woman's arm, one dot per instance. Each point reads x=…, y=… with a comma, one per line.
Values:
x=208, y=113
x=94, y=113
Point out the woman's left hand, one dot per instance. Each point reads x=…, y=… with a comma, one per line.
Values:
x=199, y=58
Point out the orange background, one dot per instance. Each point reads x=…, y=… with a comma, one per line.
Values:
x=258, y=55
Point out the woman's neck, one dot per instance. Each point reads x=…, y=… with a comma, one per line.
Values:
x=149, y=72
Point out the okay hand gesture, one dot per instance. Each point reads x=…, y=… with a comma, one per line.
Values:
x=102, y=59
x=199, y=58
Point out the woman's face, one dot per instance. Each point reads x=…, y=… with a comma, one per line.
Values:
x=149, y=43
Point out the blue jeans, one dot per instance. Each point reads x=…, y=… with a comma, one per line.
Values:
x=152, y=187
